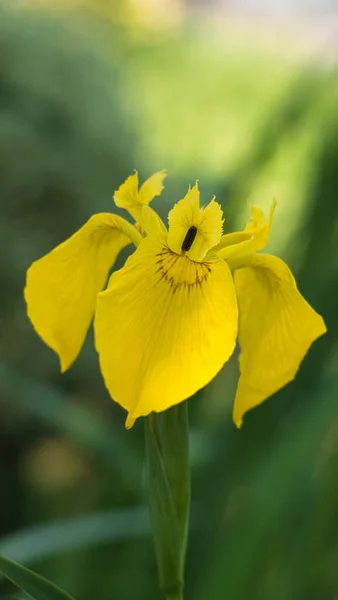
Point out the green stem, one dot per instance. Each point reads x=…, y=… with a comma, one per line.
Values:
x=168, y=475
x=178, y=596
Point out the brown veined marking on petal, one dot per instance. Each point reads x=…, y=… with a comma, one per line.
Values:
x=161, y=269
x=168, y=259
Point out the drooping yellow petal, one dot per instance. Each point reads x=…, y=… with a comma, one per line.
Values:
x=276, y=328
x=204, y=223
x=164, y=327
x=129, y=196
x=234, y=246
x=62, y=286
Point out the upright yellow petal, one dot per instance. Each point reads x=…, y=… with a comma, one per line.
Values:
x=151, y=221
x=152, y=187
x=129, y=196
x=194, y=230
x=164, y=327
x=234, y=246
x=276, y=328
x=62, y=286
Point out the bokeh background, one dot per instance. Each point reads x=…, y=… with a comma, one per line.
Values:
x=242, y=96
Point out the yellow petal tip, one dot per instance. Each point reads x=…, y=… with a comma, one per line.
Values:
x=272, y=210
x=129, y=421
x=322, y=329
x=63, y=368
x=238, y=420
x=64, y=364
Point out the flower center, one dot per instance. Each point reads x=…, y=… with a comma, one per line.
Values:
x=193, y=230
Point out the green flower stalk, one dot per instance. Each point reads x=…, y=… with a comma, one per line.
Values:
x=168, y=479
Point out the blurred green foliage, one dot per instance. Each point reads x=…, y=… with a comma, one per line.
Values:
x=81, y=106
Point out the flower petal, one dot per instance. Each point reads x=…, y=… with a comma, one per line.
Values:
x=128, y=195
x=62, y=286
x=276, y=328
x=152, y=187
x=151, y=221
x=164, y=327
x=234, y=246
x=207, y=223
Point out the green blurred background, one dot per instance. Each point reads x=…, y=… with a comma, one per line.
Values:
x=244, y=97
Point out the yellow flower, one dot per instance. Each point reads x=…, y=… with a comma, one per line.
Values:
x=169, y=319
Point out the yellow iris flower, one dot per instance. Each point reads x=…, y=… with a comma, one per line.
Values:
x=169, y=319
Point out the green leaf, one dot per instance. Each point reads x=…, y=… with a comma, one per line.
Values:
x=33, y=584
x=45, y=540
